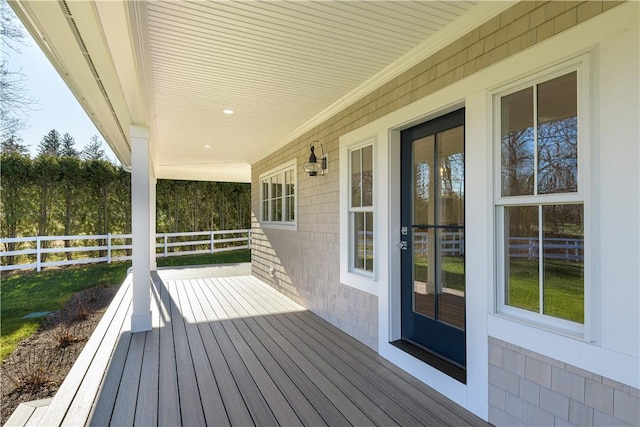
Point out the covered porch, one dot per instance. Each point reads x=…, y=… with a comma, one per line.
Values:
x=227, y=349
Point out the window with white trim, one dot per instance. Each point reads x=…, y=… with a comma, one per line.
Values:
x=540, y=201
x=278, y=196
x=361, y=258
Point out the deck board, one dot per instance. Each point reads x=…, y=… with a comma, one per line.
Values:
x=429, y=398
x=289, y=406
x=356, y=391
x=252, y=396
x=191, y=411
x=233, y=351
x=147, y=402
x=237, y=411
x=214, y=411
x=168, y=400
x=125, y=405
x=103, y=409
x=28, y=413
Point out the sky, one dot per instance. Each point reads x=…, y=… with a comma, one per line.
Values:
x=56, y=107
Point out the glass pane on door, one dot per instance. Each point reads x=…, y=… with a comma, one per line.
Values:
x=424, y=280
x=450, y=215
x=438, y=226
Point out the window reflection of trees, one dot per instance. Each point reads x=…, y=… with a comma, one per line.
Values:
x=452, y=189
x=517, y=162
x=558, y=156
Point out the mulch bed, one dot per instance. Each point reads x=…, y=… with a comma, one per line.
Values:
x=37, y=367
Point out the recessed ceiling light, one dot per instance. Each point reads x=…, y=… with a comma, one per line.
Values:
x=207, y=146
x=228, y=111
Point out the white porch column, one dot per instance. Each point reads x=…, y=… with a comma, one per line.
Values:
x=152, y=218
x=141, y=207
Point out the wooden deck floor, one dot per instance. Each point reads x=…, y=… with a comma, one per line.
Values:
x=232, y=351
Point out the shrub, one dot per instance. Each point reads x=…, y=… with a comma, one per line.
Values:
x=31, y=368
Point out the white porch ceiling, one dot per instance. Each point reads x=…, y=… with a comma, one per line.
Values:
x=283, y=66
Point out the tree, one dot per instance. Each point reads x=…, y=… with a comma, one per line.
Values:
x=51, y=144
x=71, y=187
x=100, y=176
x=13, y=144
x=46, y=174
x=94, y=151
x=68, y=148
x=16, y=176
x=14, y=101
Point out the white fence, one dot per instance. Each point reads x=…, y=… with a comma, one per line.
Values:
x=112, y=247
x=452, y=243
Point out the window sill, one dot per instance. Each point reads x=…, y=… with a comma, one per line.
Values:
x=543, y=322
x=279, y=226
x=365, y=283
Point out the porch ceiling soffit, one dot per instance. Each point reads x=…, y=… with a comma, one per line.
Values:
x=284, y=67
x=79, y=46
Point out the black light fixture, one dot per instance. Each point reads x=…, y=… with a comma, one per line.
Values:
x=313, y=167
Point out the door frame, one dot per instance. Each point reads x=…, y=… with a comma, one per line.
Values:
x=386, y=131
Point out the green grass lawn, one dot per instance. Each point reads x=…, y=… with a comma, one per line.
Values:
x=563, y=288
x=452, y=269
x=563, y=285
x=27, y=292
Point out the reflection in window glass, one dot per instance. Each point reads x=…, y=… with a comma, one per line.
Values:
x=522, y=257
x=362, y=177
x=368, y=255
x=289, y=202
x=359, y=238
x=438, y=226
x=423, y=152
x=451, y=300
x=424, y=275
x=279, y=196
x=276, y=201
x=558, y=135
x=367, y=176
x=517, y=143
x=451, y=181
x=363, y=240
x=265, y=200
x=356, y=179
x=544, y=236
x=361, y=208
x=563, y=245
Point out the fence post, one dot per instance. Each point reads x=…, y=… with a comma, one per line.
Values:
x=248, y=239
x=212, y=241
x=108, y=248
x=38, y=266
x=165, y=244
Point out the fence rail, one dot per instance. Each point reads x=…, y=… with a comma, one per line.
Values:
x=558, y=248
x=33, y=252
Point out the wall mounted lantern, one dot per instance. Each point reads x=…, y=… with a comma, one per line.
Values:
x=314, y=167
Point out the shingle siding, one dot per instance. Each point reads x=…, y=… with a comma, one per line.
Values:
x=554, y=393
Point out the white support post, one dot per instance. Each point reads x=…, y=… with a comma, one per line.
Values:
x=38, y=254
x=165, y=245
x=108, y=248
x=152, y=217
x=141, y=177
